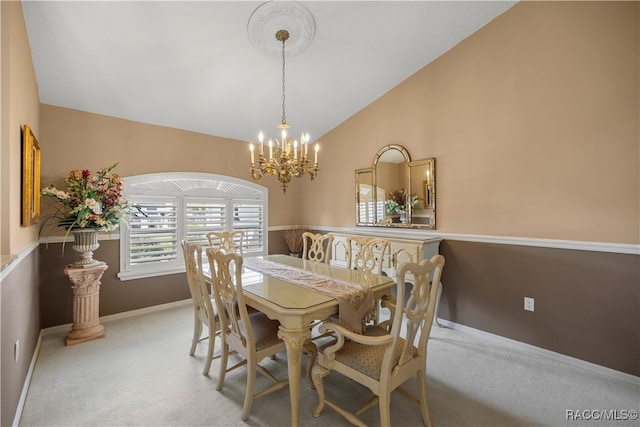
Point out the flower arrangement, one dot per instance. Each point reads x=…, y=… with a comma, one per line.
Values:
x=91, y=201
x=396, y=203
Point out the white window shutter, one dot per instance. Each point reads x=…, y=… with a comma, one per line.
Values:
x=153, y=235
x=182, y=205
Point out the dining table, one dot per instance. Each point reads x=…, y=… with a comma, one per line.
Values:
x=296, y=306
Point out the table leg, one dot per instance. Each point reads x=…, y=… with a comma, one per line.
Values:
x=294, y=339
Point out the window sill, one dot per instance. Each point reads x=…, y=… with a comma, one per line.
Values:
x=132, y=275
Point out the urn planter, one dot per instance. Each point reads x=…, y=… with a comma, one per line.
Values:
x=85, y=242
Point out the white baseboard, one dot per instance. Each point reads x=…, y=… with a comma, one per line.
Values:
x=27, y=382
x=528, y=348
x=123, y=315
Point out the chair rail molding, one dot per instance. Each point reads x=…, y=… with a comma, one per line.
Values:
x=619, y=248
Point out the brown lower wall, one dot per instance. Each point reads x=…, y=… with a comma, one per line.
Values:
x=587, y=304
x=116, y=296
x=19, y=322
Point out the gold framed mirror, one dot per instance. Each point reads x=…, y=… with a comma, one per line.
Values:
x=395, y=191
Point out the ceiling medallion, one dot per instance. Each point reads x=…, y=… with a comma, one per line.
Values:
x=273, y=16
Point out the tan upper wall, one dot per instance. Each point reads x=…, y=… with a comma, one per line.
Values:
x=73, y=139
x=20, y=106
x=533, y=121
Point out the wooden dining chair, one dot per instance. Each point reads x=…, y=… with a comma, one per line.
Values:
x=389, y=354
x=317, y=247
x=252, y=335
x=227, y=241
x=366, y=253
x=204, y=312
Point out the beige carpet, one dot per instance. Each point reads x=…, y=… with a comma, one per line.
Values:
x=141, y=374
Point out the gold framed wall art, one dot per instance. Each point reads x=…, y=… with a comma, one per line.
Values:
x=30, y=178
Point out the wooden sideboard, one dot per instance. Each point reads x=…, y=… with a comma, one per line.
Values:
x=399, y=250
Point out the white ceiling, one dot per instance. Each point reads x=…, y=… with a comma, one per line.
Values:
x=190, y=65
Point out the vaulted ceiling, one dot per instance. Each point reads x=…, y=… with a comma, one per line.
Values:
x=191, y=65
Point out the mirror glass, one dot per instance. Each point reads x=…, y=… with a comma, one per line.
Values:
x=365, y=200
x=390, y=165
x=395, y=191
x=422, y=187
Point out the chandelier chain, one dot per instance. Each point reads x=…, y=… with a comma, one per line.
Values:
x=284, y=116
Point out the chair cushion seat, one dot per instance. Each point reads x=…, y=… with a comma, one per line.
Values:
x=367, y=358
x=265, y=330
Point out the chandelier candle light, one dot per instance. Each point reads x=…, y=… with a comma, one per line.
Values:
x=287, y=158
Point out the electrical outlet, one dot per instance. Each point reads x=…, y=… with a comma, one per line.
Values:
x=16, y=351
x=528, y=303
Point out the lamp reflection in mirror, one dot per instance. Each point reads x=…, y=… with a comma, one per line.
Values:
x=284, y=160
x=427, y=190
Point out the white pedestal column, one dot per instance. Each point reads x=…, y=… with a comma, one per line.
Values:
x=86, y=304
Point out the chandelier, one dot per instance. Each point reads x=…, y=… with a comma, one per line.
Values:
x=287, y=158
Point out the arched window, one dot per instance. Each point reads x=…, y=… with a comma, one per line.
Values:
x=184, y=205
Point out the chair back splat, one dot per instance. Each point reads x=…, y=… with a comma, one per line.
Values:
x=227, y=241
x=366, y=253
x=317, y=247
x=388, y=354
x=204, y=312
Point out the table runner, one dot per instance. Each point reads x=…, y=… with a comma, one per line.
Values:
x=355, y=302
